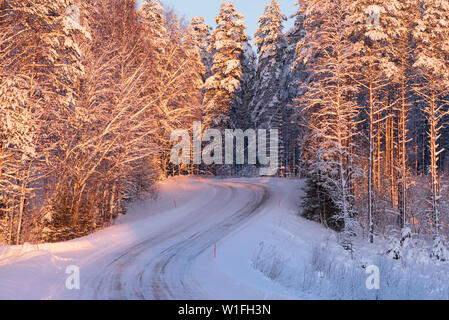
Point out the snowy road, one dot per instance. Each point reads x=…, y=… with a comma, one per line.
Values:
x=159, y=266
x=162, y=249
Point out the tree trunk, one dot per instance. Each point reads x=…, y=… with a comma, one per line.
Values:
x=371, y=161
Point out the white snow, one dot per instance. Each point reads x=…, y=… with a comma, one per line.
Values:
x=164, y=249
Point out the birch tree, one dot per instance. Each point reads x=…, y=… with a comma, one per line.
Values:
x=41, y=49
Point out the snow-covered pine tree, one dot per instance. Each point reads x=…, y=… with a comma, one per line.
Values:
x=193, y=74
x=267, y=110
x=369, y=20
x=201, y=32
x=432, y=40
x=329, y=55
x=292, y=76
x=399, y=47
x=269, y=36
x=152, y=18
x=227, y=42
x=241, y=111
x=193, y=46
x=317, y=205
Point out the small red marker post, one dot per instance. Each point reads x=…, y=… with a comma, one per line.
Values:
x=215, y=250
x=279, y=203
x=174, y=202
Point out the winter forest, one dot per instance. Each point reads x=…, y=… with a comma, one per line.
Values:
x=90, y=92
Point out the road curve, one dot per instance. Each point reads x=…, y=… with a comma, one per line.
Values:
x=158, y=265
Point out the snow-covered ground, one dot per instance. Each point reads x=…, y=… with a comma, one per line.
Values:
x=216, y=239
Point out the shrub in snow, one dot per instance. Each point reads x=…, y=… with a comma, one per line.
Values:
x=394, y=248
x=397, y=247
x=268, y=261
x=319, y=207
x=439, y=251
x=320, y=260
x=346, y=243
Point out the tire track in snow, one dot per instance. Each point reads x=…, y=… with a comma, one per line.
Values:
x=170, y=273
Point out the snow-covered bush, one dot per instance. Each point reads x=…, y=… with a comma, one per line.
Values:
x=439, y=250
x=397, y=247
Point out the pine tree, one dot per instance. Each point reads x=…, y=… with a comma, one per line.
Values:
x=399, y=48
x=292, y=76
x=201, y=32
x=368, y=20
x=152, y=18
x=227, y=43
x=318, y=206
x=269, y=37
x=271, y=44
x=329, y=54
x=241, y=109
x=196, y=71
x=432, y=36
x=267, y=108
